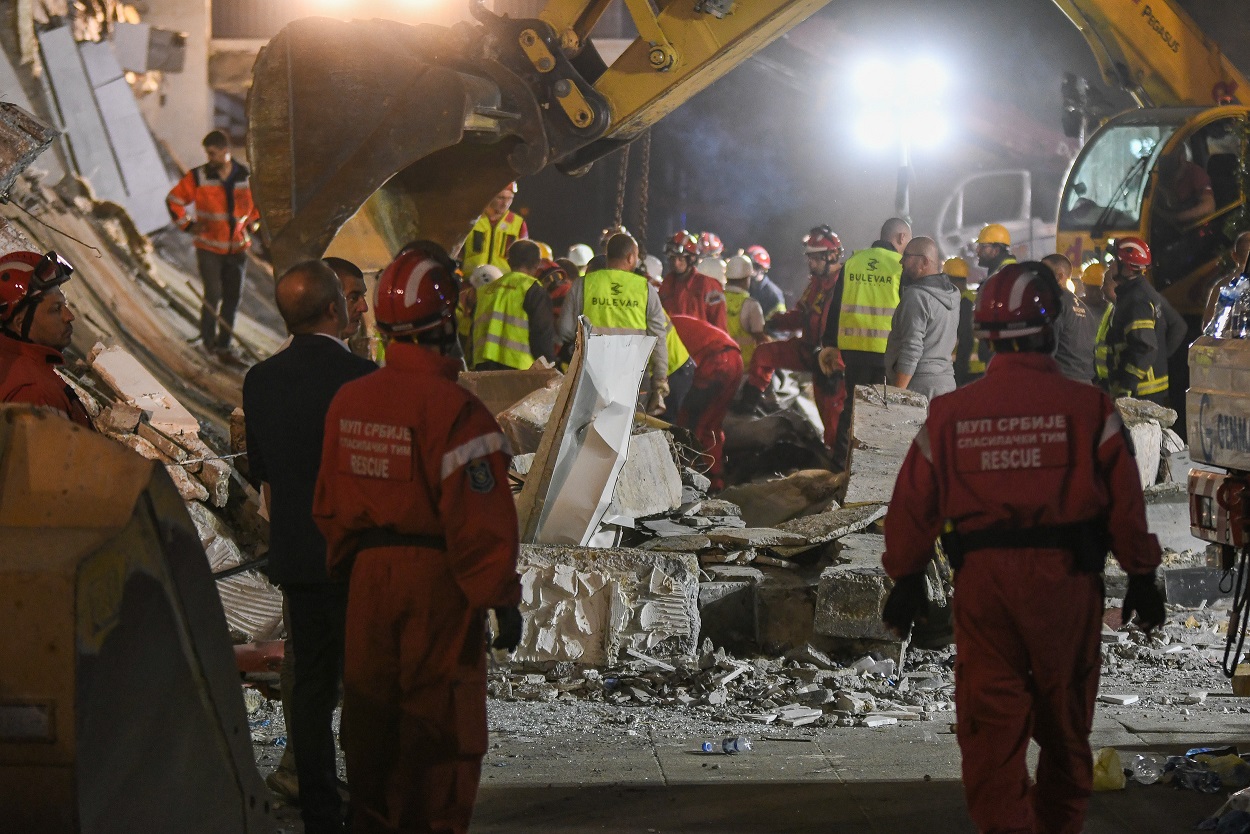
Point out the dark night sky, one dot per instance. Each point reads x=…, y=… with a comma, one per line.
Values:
x=760, y=158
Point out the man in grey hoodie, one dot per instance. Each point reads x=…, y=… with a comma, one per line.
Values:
x=925, y=324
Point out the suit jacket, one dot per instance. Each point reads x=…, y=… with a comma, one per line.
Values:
x=286, y=398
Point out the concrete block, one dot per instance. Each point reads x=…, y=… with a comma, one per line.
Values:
x=121, y=418
x=1136, y=411
x=768, y=503
x=849, y=602
x=649, y=483
x=727, y=613
x=589, y=605
x=861, y=550
x=883, y=432
x=135, y=385
x=786, y=601
x=1147, y=445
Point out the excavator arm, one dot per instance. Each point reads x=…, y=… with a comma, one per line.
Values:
x=379, y=133
x=1156, y=53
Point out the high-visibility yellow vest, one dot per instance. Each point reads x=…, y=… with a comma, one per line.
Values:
x=1100, y=345
x=615, y=301
x=734, y=299
x=870, y=283
x=488, y=244
x=976, y=365
x=677, y=353
x=501, y=327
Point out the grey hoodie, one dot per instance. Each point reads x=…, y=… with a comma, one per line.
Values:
x=923, y=334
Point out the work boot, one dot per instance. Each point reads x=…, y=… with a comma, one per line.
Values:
x=284, y=784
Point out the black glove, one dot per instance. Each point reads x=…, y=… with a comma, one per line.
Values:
x=509, y=636
x=1143, y=600
x=907, y=600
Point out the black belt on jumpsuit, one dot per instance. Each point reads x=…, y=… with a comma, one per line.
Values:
x=386, y=537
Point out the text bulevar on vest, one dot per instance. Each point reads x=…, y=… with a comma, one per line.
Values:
x=869, y=295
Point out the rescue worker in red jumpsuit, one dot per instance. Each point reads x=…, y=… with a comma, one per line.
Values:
x=718, y=371
x=816, y=315
x=36, y=325
x=413, y=500
x=1030, y=479
x=686, y=291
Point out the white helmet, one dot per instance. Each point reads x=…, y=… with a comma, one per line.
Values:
x=580, y=254
x=654, y=267
x=714, y=267
x=739, y=268
x=483, y=275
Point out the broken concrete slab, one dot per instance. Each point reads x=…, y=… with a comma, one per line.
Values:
x=861, y=550
x=500, y=390
x=664, y=527
x=718, y=507
x=769, y=503
x=1147, y=438
x=787, y=608
x=753, y=537
x=678, y=544
x=524, y=422
x=135, y=385
x=1134, y=411
x=253, y=607
x=588, y=605
x=120, y=418
x=830, y=526
x=727, y=613
x=649, y=483
x=884, y=430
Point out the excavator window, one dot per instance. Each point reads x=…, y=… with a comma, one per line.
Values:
x=1106, y=188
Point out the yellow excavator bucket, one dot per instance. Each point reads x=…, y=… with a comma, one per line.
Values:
x=410, y=130
x=120, y=704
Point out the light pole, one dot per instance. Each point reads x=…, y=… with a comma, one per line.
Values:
x=900, y=104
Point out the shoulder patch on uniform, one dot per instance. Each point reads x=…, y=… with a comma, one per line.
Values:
x=481, y=479
x=714, y=297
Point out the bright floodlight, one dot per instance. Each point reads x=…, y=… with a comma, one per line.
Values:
x=875, y=80
x=925, y=77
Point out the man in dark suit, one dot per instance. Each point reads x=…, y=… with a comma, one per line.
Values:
x=286, y=398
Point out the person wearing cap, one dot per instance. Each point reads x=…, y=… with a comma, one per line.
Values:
x=494, y=232
x=968, y=363
x=994, y=248
x=512, y=326
x=36, y=325
x=1092, y=296
x=1075, y=328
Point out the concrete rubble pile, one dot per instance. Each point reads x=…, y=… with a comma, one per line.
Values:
x=128, y=404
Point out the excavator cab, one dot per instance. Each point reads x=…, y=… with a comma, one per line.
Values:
x=1137, y=173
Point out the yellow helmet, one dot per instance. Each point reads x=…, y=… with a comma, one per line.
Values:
x=956, y=267
x=544, y=250
x=995, y=233
x=1093, y=274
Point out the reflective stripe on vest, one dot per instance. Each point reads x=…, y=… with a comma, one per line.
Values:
x=488, y=244
x=976, y=365
x=733, y=315
x=1100, y=344
x=615, y=301
x=677, y=353
x=869, y=295
x=501, y=327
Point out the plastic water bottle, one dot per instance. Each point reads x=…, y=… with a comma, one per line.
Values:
x=731, y=745
x=1147, y=768
x=1231, y=319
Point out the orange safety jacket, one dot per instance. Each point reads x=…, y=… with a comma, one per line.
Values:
x=224, y=211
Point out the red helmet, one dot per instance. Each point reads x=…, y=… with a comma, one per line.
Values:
x=760, y=257
x=682, y=244
x=546, y=268
x=416, y=293
x=26, y=276
x=1019, y=300
x=1130, y=251
x=822, y=241
x=709, y=244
